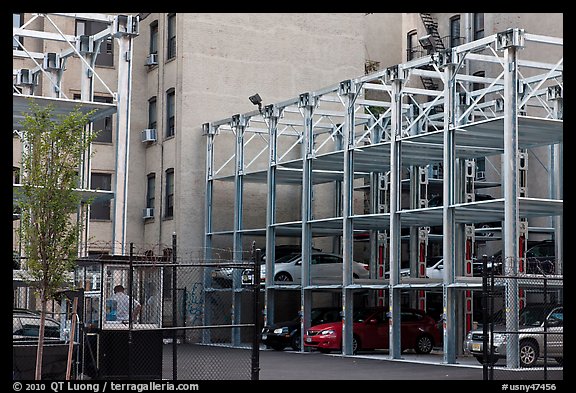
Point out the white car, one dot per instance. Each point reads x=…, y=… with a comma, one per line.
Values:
x=324, y=266
x=434, y=271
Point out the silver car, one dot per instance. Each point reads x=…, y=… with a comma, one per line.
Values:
x=531, y=336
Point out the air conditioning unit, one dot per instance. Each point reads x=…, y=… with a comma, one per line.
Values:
x=152, y=59
x=149, y=135
x=148, y=212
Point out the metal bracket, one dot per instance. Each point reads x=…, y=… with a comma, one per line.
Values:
x=346, y=87
x=238, y=121
x=392, y=74
x=306, y=99
x=208, y=129
x=510, y=38
x=126, y=25
x=554, y=93
x=52, y=62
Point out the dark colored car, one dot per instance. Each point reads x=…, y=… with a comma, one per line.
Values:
x=25, y=328
x=371, y=331
x=26, y=325
x=287, y=334
x=540, y=258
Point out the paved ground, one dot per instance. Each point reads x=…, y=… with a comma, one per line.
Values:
x=220, y=362
x=290, y=365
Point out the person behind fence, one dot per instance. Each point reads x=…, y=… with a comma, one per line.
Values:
x=123, y=304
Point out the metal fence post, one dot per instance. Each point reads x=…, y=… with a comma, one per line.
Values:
x=485, y=317
x=256, y=303
x=130, y=308
x=174, y=313
x=545, y=329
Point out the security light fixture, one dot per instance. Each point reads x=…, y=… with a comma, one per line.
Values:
x=256, y=100
x=426, y=42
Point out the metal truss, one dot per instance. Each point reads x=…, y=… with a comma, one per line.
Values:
x=372, y=127
x=42, y=82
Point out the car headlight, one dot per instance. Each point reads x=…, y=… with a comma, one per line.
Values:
x=499, y=338
x=327, y=332
x=469, y=336
x=282, y=330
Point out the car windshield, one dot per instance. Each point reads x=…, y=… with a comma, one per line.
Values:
x=361, y=315
x=531, y=315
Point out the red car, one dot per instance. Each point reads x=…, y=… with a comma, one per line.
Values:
x=418, y=331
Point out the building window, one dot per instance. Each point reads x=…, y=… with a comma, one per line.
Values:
x=171, y=36
x=481, y=168
x=478, y=85
x=100, y=210
x=106, y=54
x=478, y=25
x=15, y=175
x=17, y=21
x=411, y=45
x=150, y=190
x=170, y=112
x=154, y=37
x=102, y=125
x=169, y=206
x=455, y=31
x=152, y=112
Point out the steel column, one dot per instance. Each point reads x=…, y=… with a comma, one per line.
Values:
x=123, y=97
x=271, y=113
x=449, y=192
x=510, y=44
x=239, y=124
x=306, y=103
x=347, y=91
x=210, y=133
x=395, y=207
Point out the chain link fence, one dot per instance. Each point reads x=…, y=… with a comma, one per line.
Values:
x=522, y=323
x=155, y=313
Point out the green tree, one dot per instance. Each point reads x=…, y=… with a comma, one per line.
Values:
x=52, y=154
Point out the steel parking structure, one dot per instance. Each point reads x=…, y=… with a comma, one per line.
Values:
x=386, y=132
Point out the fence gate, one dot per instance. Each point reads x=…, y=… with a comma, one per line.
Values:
x=528, y=343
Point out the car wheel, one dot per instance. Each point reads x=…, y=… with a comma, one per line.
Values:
x=560, y=361
x=528, y=353
x=355, y=345
x=324, y=350
x=424, y=344
x=278, y=347
x=283, y=276
x=295, y=342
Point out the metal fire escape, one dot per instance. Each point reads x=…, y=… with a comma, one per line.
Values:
x=436, y=46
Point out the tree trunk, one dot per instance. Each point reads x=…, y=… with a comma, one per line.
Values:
x=40, y=349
